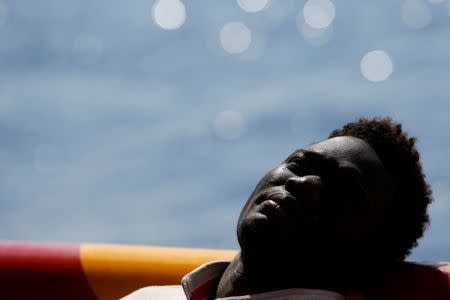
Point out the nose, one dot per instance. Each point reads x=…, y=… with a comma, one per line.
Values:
x=305, y=187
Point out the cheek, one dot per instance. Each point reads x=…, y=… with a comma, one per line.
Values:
x=345, y=213
x=276, y=177
x=351, y=220
x=271, y=178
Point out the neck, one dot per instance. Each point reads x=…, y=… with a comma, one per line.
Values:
x=238, y=279
x=247, y=276
x=257, y=275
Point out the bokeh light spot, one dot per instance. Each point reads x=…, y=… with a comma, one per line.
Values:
x=415, y=14
x=256, y=49
x=252, y=6
x=3, y=13
x=235, y=37
x=376, y=66
x=313, y=36
x=278, y=11
x=319, y=14
x=169, y=14
x=229, y=125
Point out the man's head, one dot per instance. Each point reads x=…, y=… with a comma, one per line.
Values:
x=356, y=200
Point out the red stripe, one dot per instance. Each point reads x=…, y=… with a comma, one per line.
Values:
x=203, y=291
x=414, y=282
x=42, y=271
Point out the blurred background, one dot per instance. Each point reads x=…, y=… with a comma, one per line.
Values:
x=150, y=122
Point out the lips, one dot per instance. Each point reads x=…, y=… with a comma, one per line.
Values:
x=275, y=204
x=282, y=198
x=269, y=206
x=274, y=195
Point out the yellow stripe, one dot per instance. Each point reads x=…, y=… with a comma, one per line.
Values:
x=114, y=271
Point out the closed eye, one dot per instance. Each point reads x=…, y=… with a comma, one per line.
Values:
x=304, y=162
x=300, y=166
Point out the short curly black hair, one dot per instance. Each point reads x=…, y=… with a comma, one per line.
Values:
x=412, y=193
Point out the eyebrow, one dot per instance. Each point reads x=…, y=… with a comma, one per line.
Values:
x=352, y=173
x=332, y=164
x=316, y=157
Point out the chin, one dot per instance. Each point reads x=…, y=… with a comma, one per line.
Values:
x=259, y=234
x=254, y=230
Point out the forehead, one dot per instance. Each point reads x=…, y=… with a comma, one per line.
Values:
x=347, y=149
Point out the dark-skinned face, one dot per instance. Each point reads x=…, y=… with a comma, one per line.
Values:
x=322, y=198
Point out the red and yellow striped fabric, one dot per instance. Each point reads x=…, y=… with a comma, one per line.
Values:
x=101, y=272
x=92, y=271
